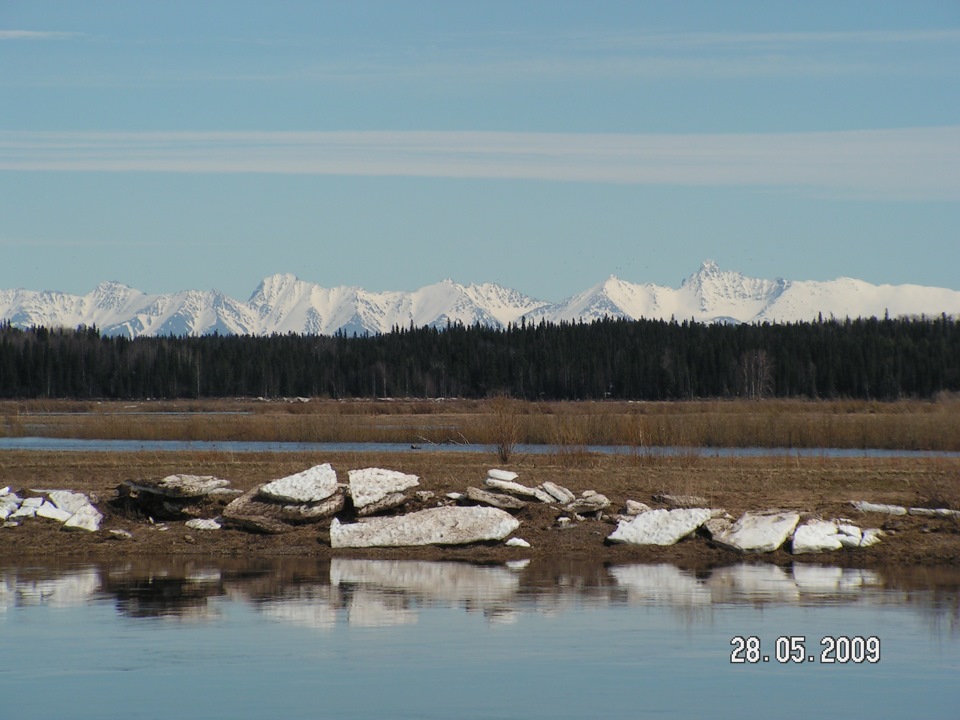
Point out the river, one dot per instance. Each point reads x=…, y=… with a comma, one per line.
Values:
x=356, y=638
x=244, y=446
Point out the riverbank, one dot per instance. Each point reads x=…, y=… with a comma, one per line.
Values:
x=815, y=487
x=571, y=427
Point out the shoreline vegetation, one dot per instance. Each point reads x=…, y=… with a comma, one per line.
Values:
x=503, y=422
x=817, y=486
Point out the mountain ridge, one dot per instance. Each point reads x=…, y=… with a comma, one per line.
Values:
x=284, y=303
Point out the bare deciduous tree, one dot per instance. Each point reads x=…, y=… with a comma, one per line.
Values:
x=755, y=374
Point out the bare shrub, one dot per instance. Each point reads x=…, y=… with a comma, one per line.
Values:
x=570, y=438
x=505, y=426
x=12, y=427
x=937, y=492
x=632, y=429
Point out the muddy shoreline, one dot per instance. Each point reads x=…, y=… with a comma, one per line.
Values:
x=815, y=487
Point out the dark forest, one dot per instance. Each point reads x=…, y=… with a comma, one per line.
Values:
x=875, y=359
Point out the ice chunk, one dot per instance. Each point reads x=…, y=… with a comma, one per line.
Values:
x=88, y=518
x=310, y=486
x=203, y=524
x=52, y=512
x=759, y=532
x=864, y=506
x=660, y=527
x=434, y=526
x=371, y=485
x=816, y=536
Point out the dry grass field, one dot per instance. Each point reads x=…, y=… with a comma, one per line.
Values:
x=571, y=427
x=817, y=485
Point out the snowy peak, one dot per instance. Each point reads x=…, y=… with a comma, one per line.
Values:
x=276, y=290
x=715, y=295
x=707, y=269
x=713, y=283
x=718, y=293
x=113, y=289
x=284, y=303
x=506, y=306
x=612, y=298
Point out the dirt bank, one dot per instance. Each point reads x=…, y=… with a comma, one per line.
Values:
x=815, y=486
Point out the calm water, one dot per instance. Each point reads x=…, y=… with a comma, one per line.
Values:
x=243, y=446
x=355, y=638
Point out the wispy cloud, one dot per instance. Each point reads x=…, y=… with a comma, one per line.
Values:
x=735, y=55
x=37, y=35
x=856, y=37
x=907, y=164
x=517, y=57
x=83, y=243
x=641, y=55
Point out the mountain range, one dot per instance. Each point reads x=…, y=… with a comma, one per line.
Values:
x=284, y=303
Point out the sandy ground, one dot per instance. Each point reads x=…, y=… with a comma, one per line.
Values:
x=814, y=486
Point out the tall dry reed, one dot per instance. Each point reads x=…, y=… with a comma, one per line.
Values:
x=506, y=422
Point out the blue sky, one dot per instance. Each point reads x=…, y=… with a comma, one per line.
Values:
x=540, y=145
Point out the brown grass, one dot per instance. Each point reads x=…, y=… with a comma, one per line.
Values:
x=814, y=486
x=570, y=427
x=737, y=484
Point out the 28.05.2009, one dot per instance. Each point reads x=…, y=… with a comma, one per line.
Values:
x=748, y=650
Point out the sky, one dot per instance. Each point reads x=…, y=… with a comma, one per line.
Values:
x=542, y=145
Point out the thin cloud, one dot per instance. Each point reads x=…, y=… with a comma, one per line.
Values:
x=75, y=243
x=733, y=55
x=37, y=35
x=518, y=57
x=904, y=164
x=857, y=37
x=644, y=55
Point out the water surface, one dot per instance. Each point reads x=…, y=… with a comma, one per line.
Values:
x=354, y=638
x=243, y=446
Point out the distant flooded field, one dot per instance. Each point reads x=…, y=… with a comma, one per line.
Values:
x=741, y=456
x=571, y=427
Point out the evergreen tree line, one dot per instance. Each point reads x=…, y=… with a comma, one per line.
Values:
x=636, y=360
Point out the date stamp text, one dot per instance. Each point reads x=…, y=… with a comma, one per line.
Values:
x=839, y=650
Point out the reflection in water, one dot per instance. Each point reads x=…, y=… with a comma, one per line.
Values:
x=373, y=608
x=428, y=581
x=668, y=586
x=33, y=587
x=381, y=593
x=167, y=597
x=355, y=639
x=312, y=607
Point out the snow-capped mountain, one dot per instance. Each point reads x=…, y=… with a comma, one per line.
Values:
x=709, y=295
x=121, y=310
x=285, y=303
